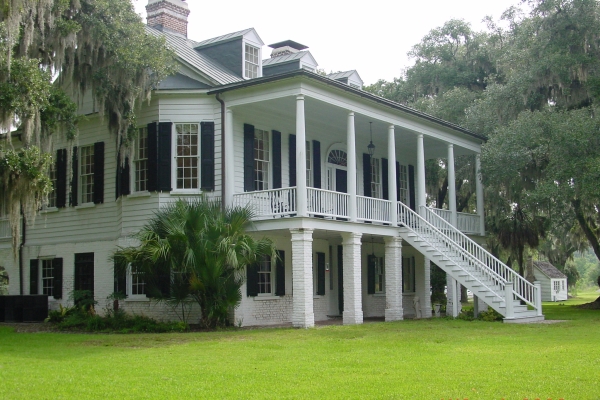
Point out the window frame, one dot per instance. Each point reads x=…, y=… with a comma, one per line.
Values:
x=408, y=277
x=270, y=281
x=87, y=197
x=379, y=277
x=376, y=185
x=43, y=278
x=175, y=166
x=403, y=184
x=309, y=164
x=130, y=282
x=267, y=164
x=138, y=183
x=53, y=195
x=248, y=62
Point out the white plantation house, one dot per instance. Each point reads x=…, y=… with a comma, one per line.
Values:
x=335, y=175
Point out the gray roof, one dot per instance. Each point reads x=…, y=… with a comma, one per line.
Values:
x=549, y=270
x=340, y=75
x=224, y=38
x=184, y=48
x=285, y=58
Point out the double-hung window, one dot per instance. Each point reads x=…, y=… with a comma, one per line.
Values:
x=86, y=174
x=52, y=195
x=140, y=161
x=251, y=64
x=403, y=184
x=137, y=284
x=265, y=285
x=309, y=168
x=379, y=275
x=557, y=286
x=262, y=155
x=376, y=178
x=408, y=275
x=48, y=277
x=187, y=156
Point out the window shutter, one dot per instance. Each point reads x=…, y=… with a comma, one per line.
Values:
x=118, y=176
x=57, y=266
x=99, y=173
x=61, y=178
x=33, y=276
x=371, y=274
x=367, y=174
x=411, y=188
x=74, y=178
x=320, y=274
x=316, y=164
x=252, y=280
x=164, y=156
x=280, y=274
x=384, y=179
x=292, y=160
x=125, y=178
x=207, y=156
x=276, y=159
x=248, y=158
x=152, y=157
x=120, y=279
x=398, y=181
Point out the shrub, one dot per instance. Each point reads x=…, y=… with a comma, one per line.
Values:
x=466, y=314
x=490, y=315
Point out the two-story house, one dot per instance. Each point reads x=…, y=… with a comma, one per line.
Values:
x=335, y=175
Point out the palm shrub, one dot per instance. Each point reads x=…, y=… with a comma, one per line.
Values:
x=199, y=249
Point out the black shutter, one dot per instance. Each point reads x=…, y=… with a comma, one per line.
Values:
x=125, y=178
x=248, y=158
x=367, y=174
x=120, y=279
x=411, y=188
x=33, y=276
x=280, y=274
x=371, y=274
x=252, y=280
x=384, y=177
x=164, y=157
x=207, y=156
x=75, y=177
x=152, y=157
x=57, y=266
x=118, y=176
x=398, y=181
x=99, y=173
x=61, y=178
x=316, y=164
x=320, y=274
x=276, y=159
x=292, y=160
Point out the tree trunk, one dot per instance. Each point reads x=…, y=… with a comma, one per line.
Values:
x=520, y=251
x=463, y=294
x=587, y=229
x=439, y=202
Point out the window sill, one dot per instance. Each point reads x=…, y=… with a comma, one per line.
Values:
x=378, y=294
x=262, y=298
x=85, y=205
x=49, y=210
x=134, y=195
x=181, y=192
x=137, y=299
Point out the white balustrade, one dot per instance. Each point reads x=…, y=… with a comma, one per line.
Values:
x=268, y=203
x=328, y=203
x=466, y=223
x=372, y=209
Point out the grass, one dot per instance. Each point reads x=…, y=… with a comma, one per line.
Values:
x=427, y=359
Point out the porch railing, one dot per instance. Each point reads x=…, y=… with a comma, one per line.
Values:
x=268, y=203
x=327, y=203
x=465, y=222
x=374, y=210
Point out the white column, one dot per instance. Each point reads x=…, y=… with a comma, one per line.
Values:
x=393, y=279
x=421, y=193
x=229, y=174
x=453, y=295
x=301, y=196
x=392, y=175
x=351, y=140
x=508, y=300
x=353, y=313
x=451, y=186
x=426, y=303
x=479, y=194
x=302, y=280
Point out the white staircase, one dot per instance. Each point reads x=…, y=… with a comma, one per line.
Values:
x=471, y=265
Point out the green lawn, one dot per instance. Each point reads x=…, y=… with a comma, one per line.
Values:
x=427, y=359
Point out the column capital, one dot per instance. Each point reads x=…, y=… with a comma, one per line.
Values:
x=299, y=97
x=392, y=127
x=351, y=237
x=450, y=145
x=301, y=232
x=393, y=241
x=420, y=136
x=351, y=113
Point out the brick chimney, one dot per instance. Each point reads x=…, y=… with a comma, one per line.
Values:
x=168, y=15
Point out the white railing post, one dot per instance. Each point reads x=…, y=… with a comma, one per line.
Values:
x=351, y=161
x=301, y=195
x=392, y=191
x=538, y=297
x=508, y=300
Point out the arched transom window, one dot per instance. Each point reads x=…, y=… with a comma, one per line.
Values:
x=338, y=157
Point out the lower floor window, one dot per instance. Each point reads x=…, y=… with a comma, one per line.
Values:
x=137, y=283
x=557, y=286
x=48, y=277
x=408, y=274
x=264, y=276
x=379, y=275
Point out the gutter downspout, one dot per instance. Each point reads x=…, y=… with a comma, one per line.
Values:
x=21, y=246
x=223, y=205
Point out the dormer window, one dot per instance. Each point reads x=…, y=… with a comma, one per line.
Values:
x=252, y=57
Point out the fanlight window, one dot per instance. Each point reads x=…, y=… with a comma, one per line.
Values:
x=338, y=157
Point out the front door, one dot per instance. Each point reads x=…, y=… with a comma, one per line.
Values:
x=341, y=180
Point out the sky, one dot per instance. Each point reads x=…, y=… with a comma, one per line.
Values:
x=371, y=37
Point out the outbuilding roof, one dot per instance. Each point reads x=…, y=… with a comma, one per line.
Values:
x=549, y=270
x=223, y=38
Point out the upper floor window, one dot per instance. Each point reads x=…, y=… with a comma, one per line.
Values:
x=86, y=174
x=403, y=184
x=52, y=194
x=261, y=159
x=376, y=178
x=251, y=64
x=187, y=156
x=140, y=161
x=309, y=173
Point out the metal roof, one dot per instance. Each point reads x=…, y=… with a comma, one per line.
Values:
x=285, y=58
x=549, y=270
x=290, y=43
x=184, y=48
x=223, y=38
x=340, y=75
x=347, y=88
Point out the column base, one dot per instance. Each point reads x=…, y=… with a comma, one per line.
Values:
x=394, y=314
x=353, y=318
x=304, y=321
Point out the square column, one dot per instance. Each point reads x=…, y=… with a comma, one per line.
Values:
x=453, y=305
x=421, y=192
x=392, y=175
x=451, y=187
x=302, y=302
x=426, y=303
x=351, y=161
x=393, y=279
x=353, y=313
x=301, y=195
x=229, y=163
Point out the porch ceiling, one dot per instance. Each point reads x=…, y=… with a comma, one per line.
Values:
x=323, y=118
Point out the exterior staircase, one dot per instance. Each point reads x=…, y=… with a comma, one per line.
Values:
x=471, y=265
